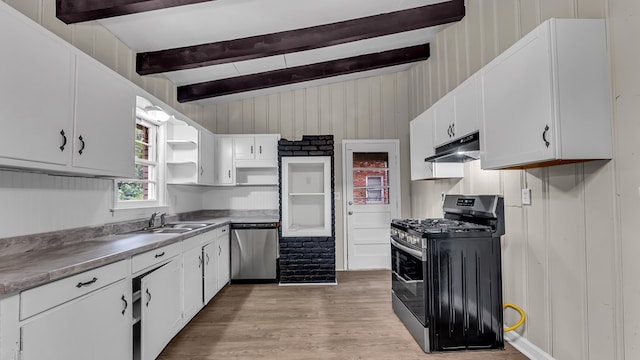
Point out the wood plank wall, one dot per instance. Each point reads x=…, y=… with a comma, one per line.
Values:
x=560, y=254
x=370, y=108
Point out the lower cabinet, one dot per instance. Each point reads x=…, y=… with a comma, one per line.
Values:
x=160, y=309
x=192, y=268
x=95, y=326
x=210, y=252
x=224, y=256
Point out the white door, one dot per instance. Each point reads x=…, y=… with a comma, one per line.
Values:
x=372, y=199
x=210, y=252
x=192, y=282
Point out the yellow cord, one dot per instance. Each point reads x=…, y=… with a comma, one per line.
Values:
x=522, y=316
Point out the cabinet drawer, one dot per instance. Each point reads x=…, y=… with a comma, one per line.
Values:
x=222, y=231
x=143, y=261
x=41, y=298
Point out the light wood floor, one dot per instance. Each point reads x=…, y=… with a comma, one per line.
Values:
x=352, y=320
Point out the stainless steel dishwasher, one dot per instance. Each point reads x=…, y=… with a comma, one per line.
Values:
x=254, y=252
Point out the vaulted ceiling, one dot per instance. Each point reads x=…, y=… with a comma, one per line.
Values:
x=221, y=50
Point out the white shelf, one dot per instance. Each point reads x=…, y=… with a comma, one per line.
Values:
x=306, y=194
x=182, y=144
x=185, y=162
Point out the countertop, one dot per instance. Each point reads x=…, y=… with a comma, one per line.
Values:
x=26, y=270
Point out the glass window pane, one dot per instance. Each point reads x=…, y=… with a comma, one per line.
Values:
x=133, y=190
x=370, y=178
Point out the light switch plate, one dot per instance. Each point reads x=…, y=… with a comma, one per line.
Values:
x=526, y=196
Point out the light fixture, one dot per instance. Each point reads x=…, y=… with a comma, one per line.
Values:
x=156, y=113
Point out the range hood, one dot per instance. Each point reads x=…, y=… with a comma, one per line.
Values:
x=467, y=148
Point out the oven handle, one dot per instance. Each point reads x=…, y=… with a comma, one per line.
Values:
x=414, y=252
x=401, y=278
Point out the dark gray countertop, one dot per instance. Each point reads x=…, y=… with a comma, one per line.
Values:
x=28, y=269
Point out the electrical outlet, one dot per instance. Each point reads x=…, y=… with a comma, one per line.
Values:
x=526, y=196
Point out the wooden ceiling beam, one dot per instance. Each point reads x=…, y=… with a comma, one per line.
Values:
x=190, y=57
x=73, y=11
x=302, y=73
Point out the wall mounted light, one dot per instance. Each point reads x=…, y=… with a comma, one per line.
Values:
x=157, y=113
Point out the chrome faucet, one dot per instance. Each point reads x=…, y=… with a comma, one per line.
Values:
x=152, y=220
x=163, y=219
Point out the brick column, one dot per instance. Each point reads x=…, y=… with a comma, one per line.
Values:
x=308, y=259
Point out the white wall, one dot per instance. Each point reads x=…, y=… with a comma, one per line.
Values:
x=568, y=259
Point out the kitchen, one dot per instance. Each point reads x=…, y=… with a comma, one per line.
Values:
x=575, y=287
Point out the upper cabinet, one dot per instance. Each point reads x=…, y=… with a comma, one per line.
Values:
x=457, y=113
x=104, y=120
x=62, y=110
x=256, y=150
x=421, y=145
x=247, y=159
x=546, y=100
x=189, y=154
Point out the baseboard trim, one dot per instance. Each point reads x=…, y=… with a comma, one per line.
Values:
x=526, y=347
x=309, y=284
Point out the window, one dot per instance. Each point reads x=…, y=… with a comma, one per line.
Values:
x=374, y=189
x=142, y=190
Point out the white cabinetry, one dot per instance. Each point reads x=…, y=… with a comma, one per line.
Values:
x=263, y=148
x=192, y=277
x=86, y=316
x=456, y=113
x=546, y=99
x=225, y=171
x=161, y=308
x=224, y=256
x=104, y=120
x=37, y=92
x=190, y=154
x=306, y=196
x=210, y=253
x=421, y=145
x=60, y=104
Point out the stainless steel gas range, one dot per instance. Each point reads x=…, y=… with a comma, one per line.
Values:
x=446, y=275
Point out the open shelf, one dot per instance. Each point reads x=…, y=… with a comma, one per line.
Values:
x=306, y=202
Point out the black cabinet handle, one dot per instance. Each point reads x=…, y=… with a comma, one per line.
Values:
x=148, y=297
x=64, y=140
x=229, y=174
x=82, y=147
x=453, y=130
x=201, y=171
x=219, y=250
x=126, y=304
x=208, y=259
x=160, y=255
x=81, y=284
x=544, y=136
x=199, y=262
x=260, y=149
x=251, y=149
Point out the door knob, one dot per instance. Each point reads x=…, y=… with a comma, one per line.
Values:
x=350, y=202
x=350, y=212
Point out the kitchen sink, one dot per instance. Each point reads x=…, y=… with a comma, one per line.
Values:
x=184, y=225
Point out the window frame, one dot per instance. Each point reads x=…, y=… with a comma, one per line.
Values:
x=156, y=135
x=377, y=188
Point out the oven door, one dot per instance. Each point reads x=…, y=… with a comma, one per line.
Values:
x=407, y=278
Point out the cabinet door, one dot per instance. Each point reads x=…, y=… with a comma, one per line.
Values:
x=421, y=145
x=206, y=161
x=225, y=174
x=96, y=326
x=224, y=259
x=266, y=147
x=161, y=315
x=192, y=281
x=210, y=252
x=517, y=104
x=444, y=120
x=36, y=69
x=244, y=147
x=104, y=120
x=467, y=99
